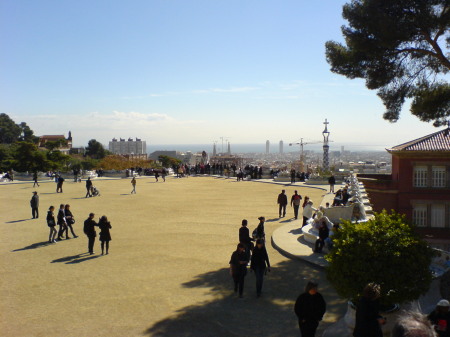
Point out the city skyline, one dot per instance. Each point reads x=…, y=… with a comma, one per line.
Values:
x=176, y=72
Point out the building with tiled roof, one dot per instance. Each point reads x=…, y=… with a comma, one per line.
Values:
x=419, y=186
x=52, y=138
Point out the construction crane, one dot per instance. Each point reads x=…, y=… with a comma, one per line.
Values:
x=302, y=157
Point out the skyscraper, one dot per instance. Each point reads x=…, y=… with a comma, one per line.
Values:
x=267, y=147
x=281, y=147
x=128, y=146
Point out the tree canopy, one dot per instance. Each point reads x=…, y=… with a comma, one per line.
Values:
x=401, y=48
x=11, y=132
x=95, y=150
x=371, y=251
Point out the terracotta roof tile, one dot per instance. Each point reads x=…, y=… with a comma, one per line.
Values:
x=438, y=141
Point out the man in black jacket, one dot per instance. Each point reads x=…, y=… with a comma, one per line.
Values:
x=309, y=308
x=89, y=230
x=34, y=203
x=282, y=202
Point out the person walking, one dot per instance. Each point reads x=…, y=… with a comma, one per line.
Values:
x=163, y=174
x=34, y=203
x=295, y=202
x=309, y=308
x=89, y=230
x=258, y=232
x=133, y=183
x=51, y=224
x=88, y=187
x=61, y=221
x=70, y=220
x=332, y=182
x=259, y=262
x=293, y=176
x=282, y=202
x=59, y=184
x=238, y=268
x=440, y=318
x=245, y=239
x=105, y=235
x=35, y=179
x=368, y=321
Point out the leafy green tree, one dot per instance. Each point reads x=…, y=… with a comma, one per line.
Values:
x=26, y=134
x=385, y=250
x=57, y=160
x=55, y=144
x=9, y=131
x=95, y=150
x=6, y=157
x=89, y=164
x=167, y=161
x=27, y=157
x=401, y=48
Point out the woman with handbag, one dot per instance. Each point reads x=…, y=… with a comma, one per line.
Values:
x=105, y=235
x=70, y=220
x=51, y=223
x=238, y=268
x=258, y=232
x=259, y=263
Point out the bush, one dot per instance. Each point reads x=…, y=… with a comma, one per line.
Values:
x=385, y=250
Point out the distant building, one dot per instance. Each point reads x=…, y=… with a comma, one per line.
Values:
x=267, y=147
x=128, y=147
x=66, y=145
x=419, y=186
x=281, y=147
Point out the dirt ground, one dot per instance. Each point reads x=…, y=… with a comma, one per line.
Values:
x=167, y=271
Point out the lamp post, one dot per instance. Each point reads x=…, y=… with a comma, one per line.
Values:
x=326, y=147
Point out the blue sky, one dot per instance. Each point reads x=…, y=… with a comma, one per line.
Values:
x=174, y=71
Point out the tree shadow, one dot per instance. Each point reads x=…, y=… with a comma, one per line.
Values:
x=14, y=221
x=75, y=258
x=34, y=246
x=270, y=315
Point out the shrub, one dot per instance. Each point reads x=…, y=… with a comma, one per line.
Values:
x=384, y=250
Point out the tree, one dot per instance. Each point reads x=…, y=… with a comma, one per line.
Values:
x=27, y=157
x=95, y=150
x=385, y=250
x=52, y=145
x=167, y=161
x=26, y=134
x=9, y=131
x=401, y=48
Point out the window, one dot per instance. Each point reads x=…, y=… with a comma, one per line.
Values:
x=420, y=215
x=438, y=216
x=420, y=176
x=438, y=176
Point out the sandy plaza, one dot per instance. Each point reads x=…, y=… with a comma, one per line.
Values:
x=167, y=273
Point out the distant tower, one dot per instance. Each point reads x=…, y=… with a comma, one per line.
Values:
x=70, y=136
x=281, y=147
x=229, y=148
x=214, y=150
x=326, y=147
x=267, y=147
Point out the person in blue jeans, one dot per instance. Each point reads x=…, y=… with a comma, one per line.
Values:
x=259, y=262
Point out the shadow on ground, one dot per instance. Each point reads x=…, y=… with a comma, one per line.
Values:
x=270, y=315
x=22, y=220
x=75, y=258
x=34, y=246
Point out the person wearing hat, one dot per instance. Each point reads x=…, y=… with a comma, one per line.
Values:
x=440, y=318
x=282, y=202
x=34, y=203
x=258, y=232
